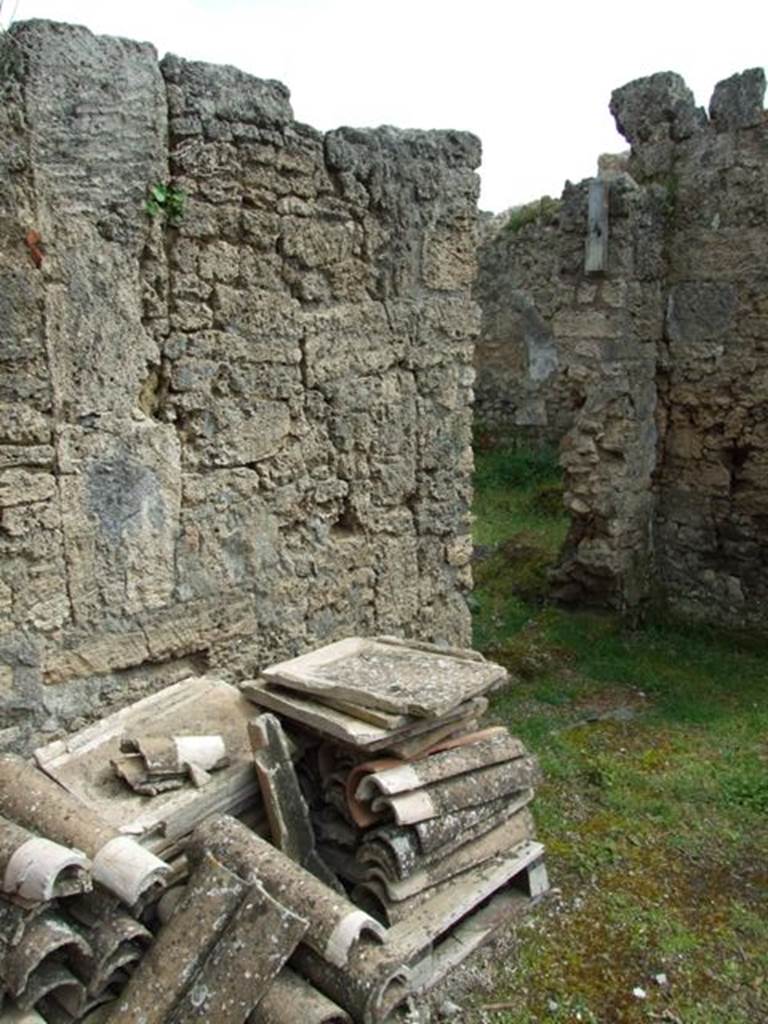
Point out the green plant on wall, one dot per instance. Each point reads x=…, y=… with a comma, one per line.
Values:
x=166, y=200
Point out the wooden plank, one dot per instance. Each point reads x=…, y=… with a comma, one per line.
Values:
x=393, y=677
x=596, y=248
x=467, y=936
x=428, y=915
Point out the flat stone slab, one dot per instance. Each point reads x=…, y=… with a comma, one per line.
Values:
x=406, y=741
x=196, y=705
x=389, y=675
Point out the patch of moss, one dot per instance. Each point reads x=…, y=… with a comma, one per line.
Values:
x=543, y=211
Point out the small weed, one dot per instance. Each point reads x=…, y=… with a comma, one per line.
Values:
x=544, y=211
x=168, y=201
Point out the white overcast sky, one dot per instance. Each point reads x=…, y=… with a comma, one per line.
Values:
x=532, y=79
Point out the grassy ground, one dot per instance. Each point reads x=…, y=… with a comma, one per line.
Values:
x=655, y=806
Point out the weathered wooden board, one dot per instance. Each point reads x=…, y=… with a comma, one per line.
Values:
x=393, y=677
x=194, y=706
x=425, y=917
x=596, y=246
x=467, y=936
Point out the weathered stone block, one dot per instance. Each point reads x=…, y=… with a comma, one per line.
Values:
x=737, y=102
x=655, y=108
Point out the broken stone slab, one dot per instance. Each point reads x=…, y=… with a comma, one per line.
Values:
x=459, y=792
x=476, y=752
x=503, y=837
x=36, y=802
x=171, y=963
x=35, y=870
x=335, y=924
x=155, y=764
x=257, y=942
x=169, y=755
x=291, y=999
x=194, y=706
x=374, y=983
x=132, y=770
x=392, y=677
x=46, y=938
x=287, y=811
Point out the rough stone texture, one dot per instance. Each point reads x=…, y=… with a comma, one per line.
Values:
x=660, y=364
x=227, y=440
x=737, y=102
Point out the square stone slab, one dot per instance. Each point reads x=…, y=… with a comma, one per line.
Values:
x=390, y=674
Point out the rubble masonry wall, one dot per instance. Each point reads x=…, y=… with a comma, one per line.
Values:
x=226, y=440
x=653, y=371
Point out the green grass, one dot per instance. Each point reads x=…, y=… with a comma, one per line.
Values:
x=654, y=808
x=544, y=210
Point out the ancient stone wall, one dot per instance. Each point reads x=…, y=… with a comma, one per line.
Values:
x=232, y=435
x=658, y=358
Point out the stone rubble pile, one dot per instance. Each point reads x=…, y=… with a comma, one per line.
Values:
x=399, y=838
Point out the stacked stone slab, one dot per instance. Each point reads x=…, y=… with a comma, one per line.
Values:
x=232, y=434
x=420, y=835
x=379, y=875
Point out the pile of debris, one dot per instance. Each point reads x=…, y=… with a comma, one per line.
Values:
x=138, y=885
